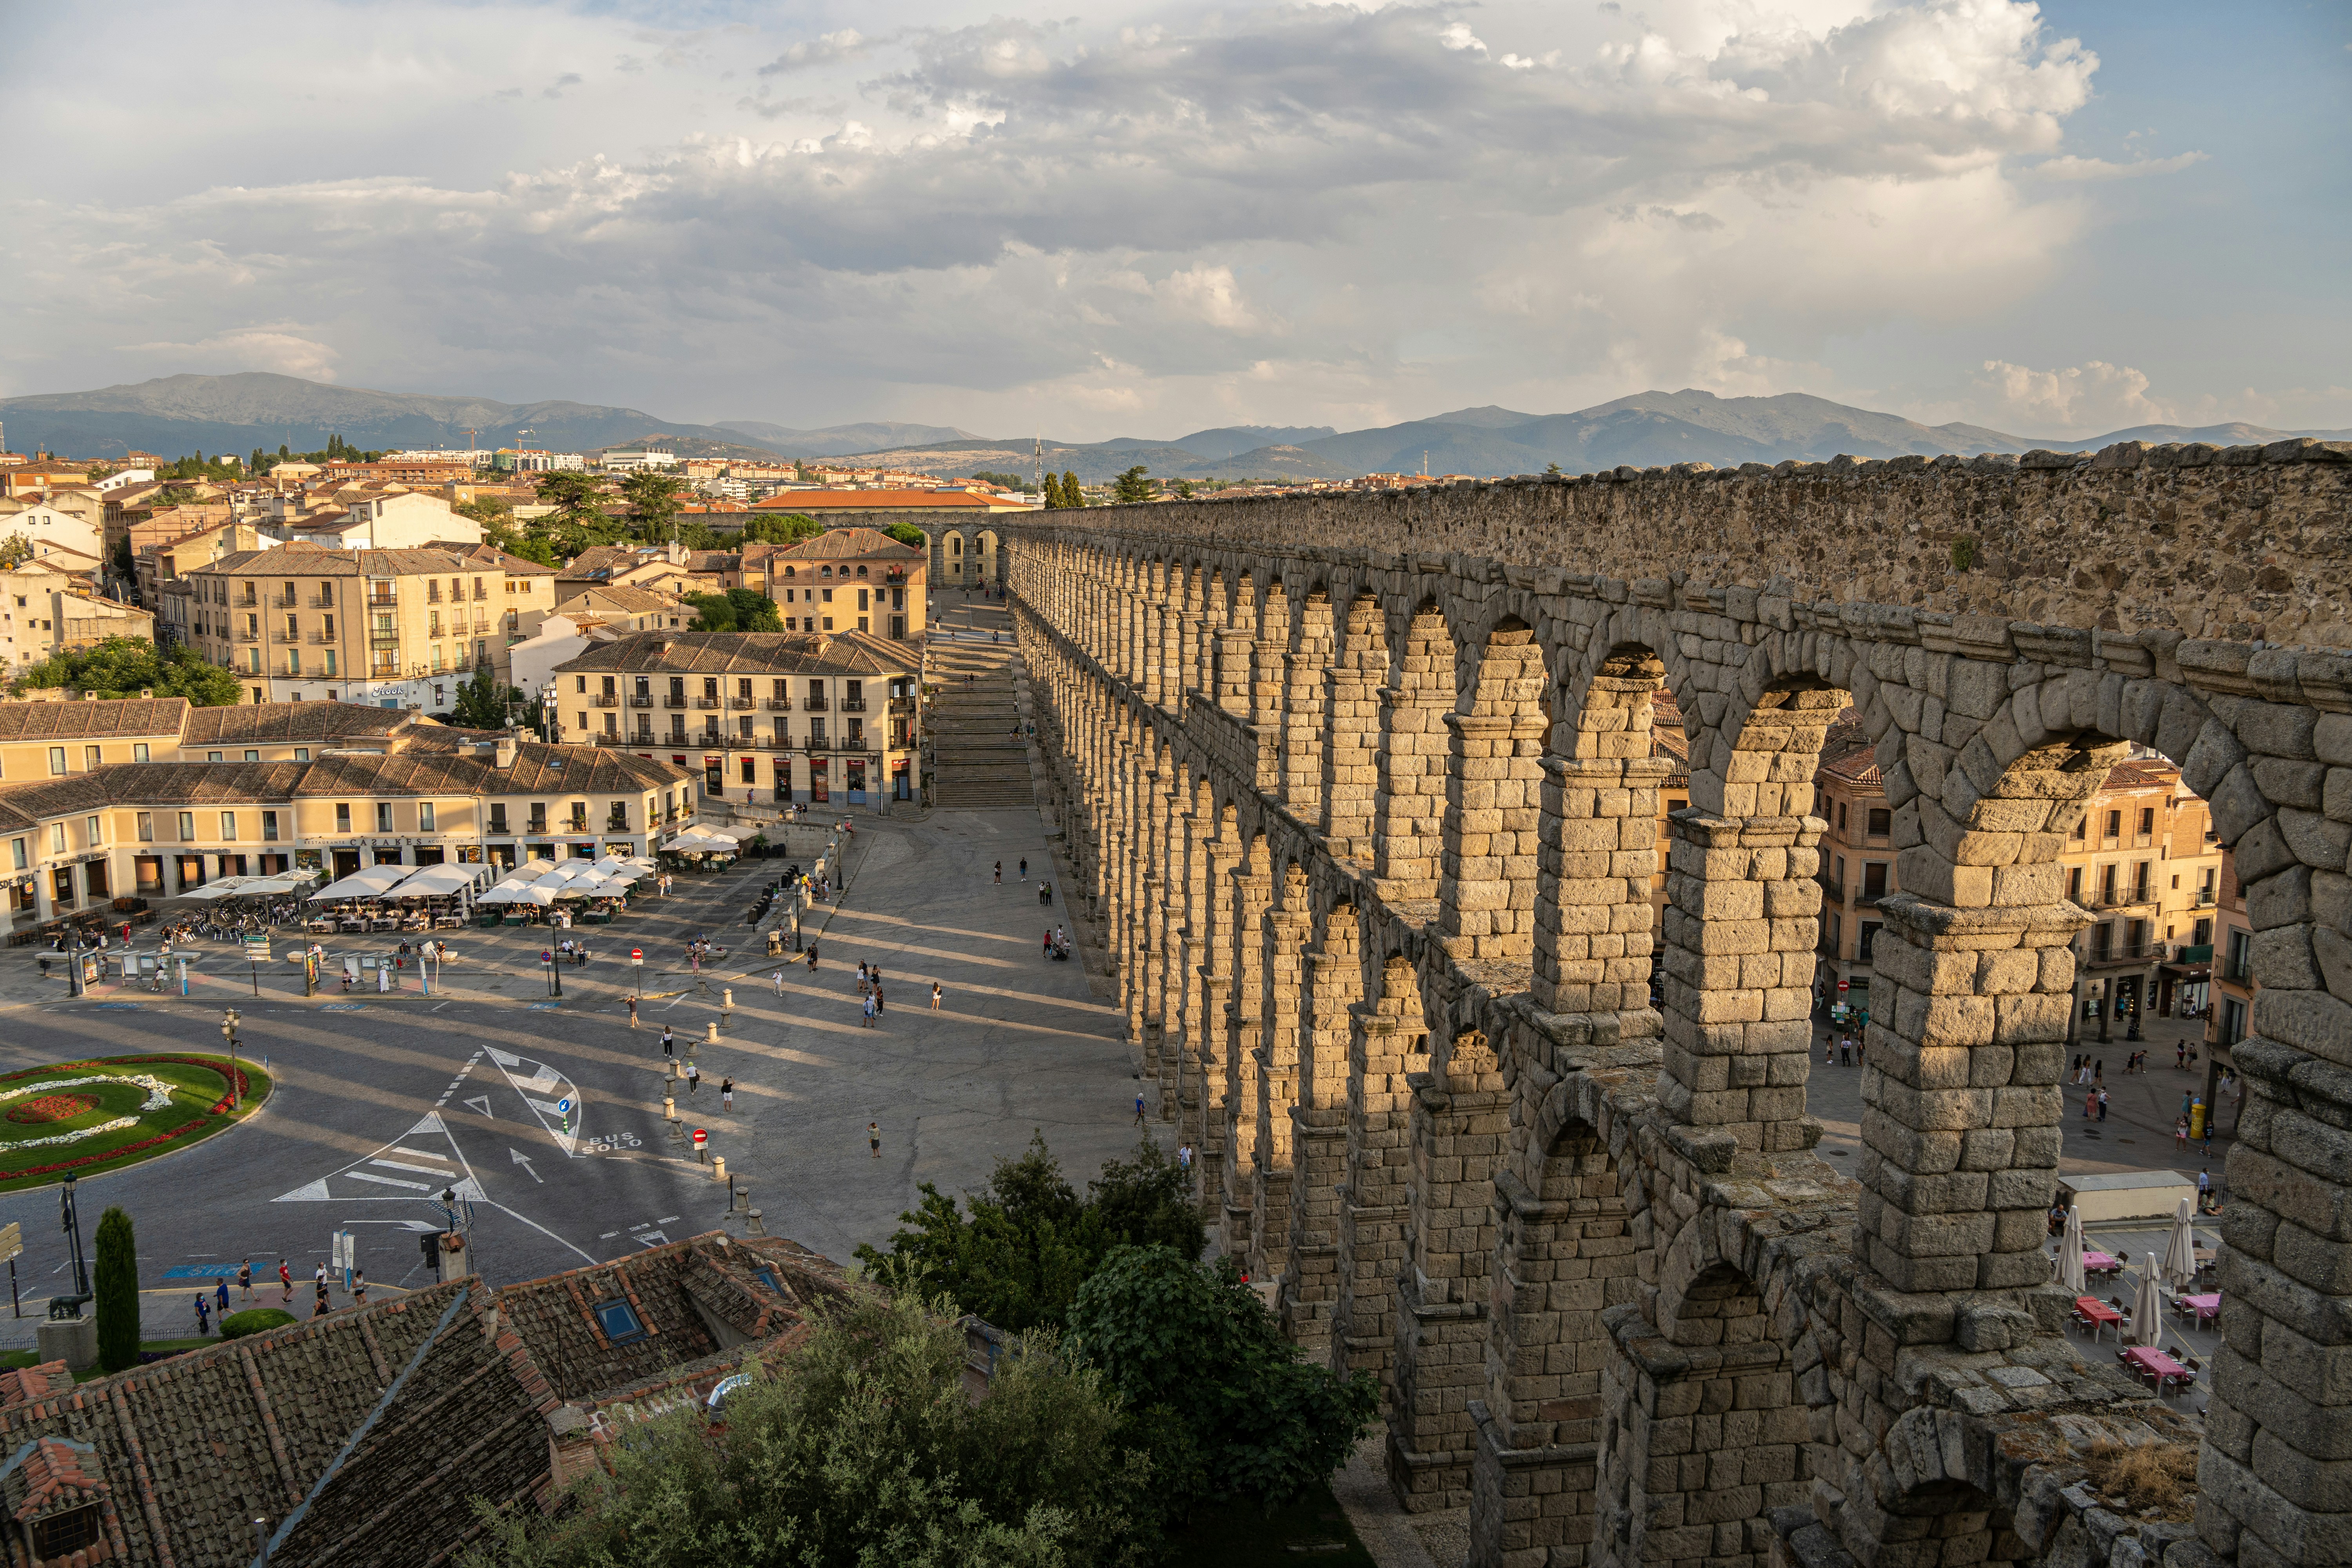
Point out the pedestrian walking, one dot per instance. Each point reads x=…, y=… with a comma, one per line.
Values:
x=633, y=1011
x=1184, y=1158
x=879, y=1007
x=1000, y=873
x=693, y=1076
x=1048, y=951
x=285, y=1284
x=2102, y=1104
x=359, y=1286
x=669, y=1044
x=1024, y=864
x=2180, y=1135
x=2090, y=1104
x=204, y=1313
x=861, y=978
x=220, y=1293
x=812, y=958
x=2179, y=1055
x=1139, y=1110
x=319, y=1310
x=780, y=983
x=874, y=1137
x=935, y=995
x=245, y=1281
x=2205, y=1187
x=726, y=1094
x=869, y=1012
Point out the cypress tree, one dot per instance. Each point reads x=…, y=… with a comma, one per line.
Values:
x=1071, y=494
x=116, y=1285
x=1055, y=499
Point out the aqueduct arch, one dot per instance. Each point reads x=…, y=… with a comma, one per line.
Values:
x=1359, y=789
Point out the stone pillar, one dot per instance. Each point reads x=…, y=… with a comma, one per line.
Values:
x=1253, y=890
x=1741, y=914
x=1961, y=1093
x=1409, y=806
x=1234, y=646
x=1332, y=984
x=1487, y=874
x=1385, y=1049
x=1460, y=1126
x=1351, y=727
x=1284, y=934
x=1598, y=853
x=1301, y=759
x=1210, y=1027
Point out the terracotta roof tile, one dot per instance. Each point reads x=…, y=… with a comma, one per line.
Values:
x=747, y=653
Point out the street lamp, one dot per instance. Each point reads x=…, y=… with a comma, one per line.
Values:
x=229, y=1021
x=554, y=973
x=69, y=1221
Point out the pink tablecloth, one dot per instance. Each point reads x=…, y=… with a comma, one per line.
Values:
x=2155, y=1364
x=2099, y=1262
x=2203, y=1306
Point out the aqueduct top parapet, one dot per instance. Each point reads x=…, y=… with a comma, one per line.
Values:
x=2241, y=543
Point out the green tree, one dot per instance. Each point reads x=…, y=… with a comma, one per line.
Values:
x=1006, y=481
x=115, y=1282
x=1214, y=1393
x=789, y=529
x=1132, y=486
x=862, y=1447
x=1019, y=1251
x=175, y=495
x=1071, y=494
x=655, y=499
x=908, y=533
x=736, y=610
x=482, y=701
x=1184, y=489
x=15, y=549
x=124, y=667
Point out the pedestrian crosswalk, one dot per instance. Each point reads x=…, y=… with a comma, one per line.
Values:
x=422, y=1162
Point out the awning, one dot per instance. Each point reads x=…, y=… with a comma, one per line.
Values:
x=436, y=881
x=366, y=883
x=2189, y=972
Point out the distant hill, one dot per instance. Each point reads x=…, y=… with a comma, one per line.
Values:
x=177, y=415
x=840, y=440
x=1228, y=440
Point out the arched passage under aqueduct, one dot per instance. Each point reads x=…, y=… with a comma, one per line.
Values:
x=1362, y=792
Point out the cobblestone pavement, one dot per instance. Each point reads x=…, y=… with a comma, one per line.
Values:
x=383, y=1102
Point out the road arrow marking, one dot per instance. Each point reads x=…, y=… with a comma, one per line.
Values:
x=524, y=1160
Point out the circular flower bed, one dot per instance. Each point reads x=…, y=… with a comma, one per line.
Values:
x=90, y=1115
x=52, y=1107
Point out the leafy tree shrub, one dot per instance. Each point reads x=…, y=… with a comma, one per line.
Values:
x=1132, y=486
x=1018, y=1254
x=254, y=1320
x=789, y=529
x=736, y=610
x=908, y=533
x=115, y=1282
x=862, y=1447
x=124, y=667
x=1213, y=1392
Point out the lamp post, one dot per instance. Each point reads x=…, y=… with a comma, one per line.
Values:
x=229, y=1021
x=69, y=1221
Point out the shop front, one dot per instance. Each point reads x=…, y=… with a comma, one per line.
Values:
x=902, y=781
x=855, y=771
x=818, y=788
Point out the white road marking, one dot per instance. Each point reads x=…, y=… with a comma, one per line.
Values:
x=406, y=1165
x=387, y=1181
x=483, y=1102
x=420, y=1155
x=524, y=1160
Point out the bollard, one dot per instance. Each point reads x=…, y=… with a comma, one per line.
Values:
x=727, y=1013
x=757, y=1228
x=719, y=1167
x=669, y=1109
x=712, y=1037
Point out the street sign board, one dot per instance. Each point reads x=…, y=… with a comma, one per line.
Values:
x=700, y=1137
x=1842, y=984
x=563, y=1106
x=11, y=1241
x=637, y=955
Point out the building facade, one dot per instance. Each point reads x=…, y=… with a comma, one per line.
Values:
x=850, y=579
x=70, y=845
x=763, y=719
x=965, y=545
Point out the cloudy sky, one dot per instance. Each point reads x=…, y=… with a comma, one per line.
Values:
x=2053, y=220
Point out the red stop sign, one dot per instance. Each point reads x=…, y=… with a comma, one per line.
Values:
x=1842, y=984
x=700, y=1137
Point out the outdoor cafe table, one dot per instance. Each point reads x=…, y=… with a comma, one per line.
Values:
x=2156, y=1366
x=2100, y=1262
x=2208, y=1306
x=2098, y=1315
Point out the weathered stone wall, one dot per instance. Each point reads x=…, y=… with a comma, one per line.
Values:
x=1615, y=1302
x=2243, y=543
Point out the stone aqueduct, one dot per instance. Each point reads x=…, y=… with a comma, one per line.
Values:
x=1361, y=792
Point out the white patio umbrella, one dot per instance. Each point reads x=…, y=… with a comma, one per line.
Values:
x=225, y=888
x=2180, y=1254
x=2148, y=1306
x=365, y=883
x=528, y=893
x=586, y=886
x=2069, y=1254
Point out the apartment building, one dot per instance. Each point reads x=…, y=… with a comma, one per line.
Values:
x=765, y=717
x=401, y=471
x=159, y=571
x=59, y=739
x=161, y=829
x=44, y=607
x=73, y=519
x=395, y=627
x=394, y=519
x=845, y=580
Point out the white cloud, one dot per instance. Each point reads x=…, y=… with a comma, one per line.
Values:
x=288, y=352
x=2071, y=168
x=1273, y=211
x=2075, y=401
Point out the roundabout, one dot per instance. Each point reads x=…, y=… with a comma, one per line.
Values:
x=103, y=1112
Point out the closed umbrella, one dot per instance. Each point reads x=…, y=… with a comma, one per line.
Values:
x=2069, y=1254
x=2147, y=1309
x=2181, y=1255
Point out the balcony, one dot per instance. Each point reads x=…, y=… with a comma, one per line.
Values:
x=2204, y=898
x=320, y=601
x=907, y=705
x=382, y=601
x=384, y=639
x=706, y=702
x=642, y=700
x=612, y=739
x=778, y=704
x=321, y=639
x=813, y=705
x=606, y=700
x=284, y=601
x=247, y=634
x=740, y=704
x=853, y=705
x=674, y=700
x=280, y=634
x=2126, y=953
x=248, y=603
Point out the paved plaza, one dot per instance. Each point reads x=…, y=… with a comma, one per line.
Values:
x=384, y=1102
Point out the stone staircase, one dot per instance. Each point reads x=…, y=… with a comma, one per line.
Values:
x=980, y=763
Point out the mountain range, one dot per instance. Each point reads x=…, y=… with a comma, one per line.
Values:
x=177, y=414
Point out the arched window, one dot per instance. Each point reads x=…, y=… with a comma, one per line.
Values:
x=824, y=570
x=788, y=571
x=861, y=571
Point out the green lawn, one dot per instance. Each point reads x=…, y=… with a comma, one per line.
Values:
x=41, y=1106
x=16, y=1360
x=1310, y=1530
